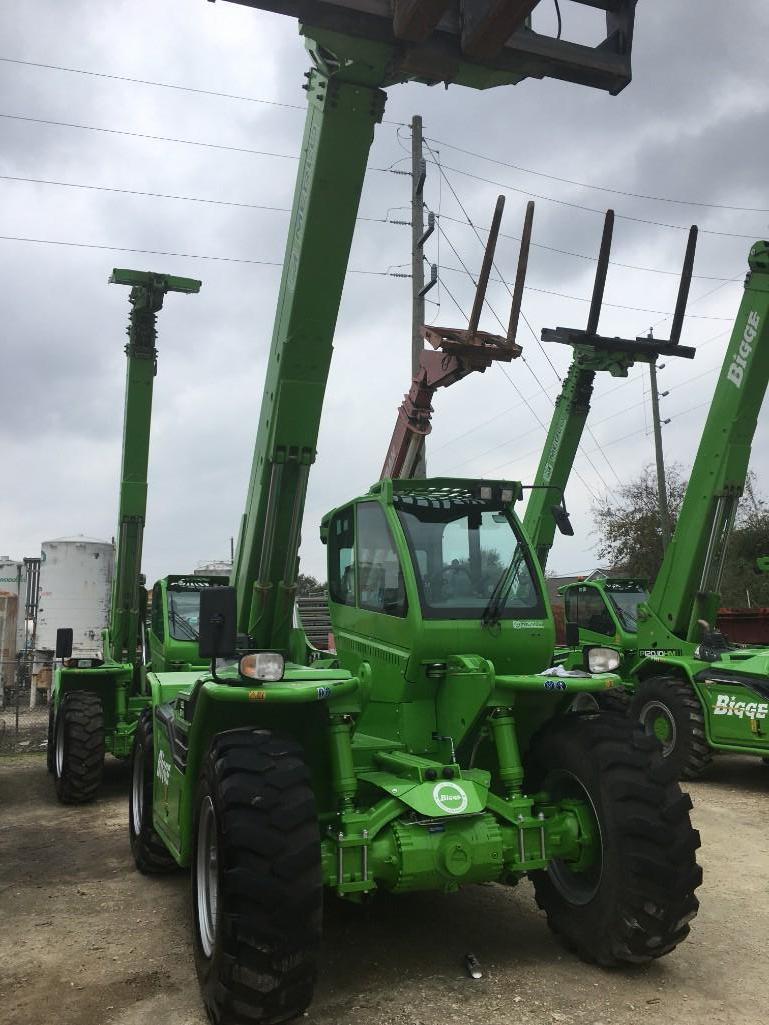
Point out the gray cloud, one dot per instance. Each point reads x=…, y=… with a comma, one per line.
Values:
x=691, y=125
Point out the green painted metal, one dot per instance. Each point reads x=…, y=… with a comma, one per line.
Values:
x=415, y=733
x=732, y=685
x=564, y=435
x=172, y=634
x=118, y=682
x=563, y=439
x=686, y=589
x=148, y=291
x=403, y=723
x=343, y=109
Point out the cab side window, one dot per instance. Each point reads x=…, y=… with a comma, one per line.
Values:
x=380, y=578
x=157, y=611
x=341, y=558
x=588, y=610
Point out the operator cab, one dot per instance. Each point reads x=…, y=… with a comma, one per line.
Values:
x=603, y=610
x=421, y=570
x=174, y=621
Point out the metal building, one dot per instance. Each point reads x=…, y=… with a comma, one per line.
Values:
x=13, y=580
x=75, y=590
x=9, y=604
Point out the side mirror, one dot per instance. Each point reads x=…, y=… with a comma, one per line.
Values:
x=562, y=520
x=572, y=635
x=217, y=629
x=64, y=636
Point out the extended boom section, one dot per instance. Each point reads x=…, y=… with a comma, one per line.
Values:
x=343, y=109
x=147, y=294
x=686, y=591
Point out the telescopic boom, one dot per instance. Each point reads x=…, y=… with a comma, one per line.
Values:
x=686, y=591
x=148, y=291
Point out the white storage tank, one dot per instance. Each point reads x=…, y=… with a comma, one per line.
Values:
x=75, y=590
x=216, y=568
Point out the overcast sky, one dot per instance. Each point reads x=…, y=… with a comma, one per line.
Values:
x=692, y=126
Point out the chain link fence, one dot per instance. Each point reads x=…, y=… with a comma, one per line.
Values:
x=24, y=705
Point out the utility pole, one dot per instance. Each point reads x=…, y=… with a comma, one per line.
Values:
x=418, y=173
x=661, y=485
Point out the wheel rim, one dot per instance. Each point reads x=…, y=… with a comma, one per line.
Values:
x=657, y=721
x=137, y=791
x=59, y=761
x=577, y=888
x=207, y=876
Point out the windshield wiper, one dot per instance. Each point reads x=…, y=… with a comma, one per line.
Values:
x=498, y=597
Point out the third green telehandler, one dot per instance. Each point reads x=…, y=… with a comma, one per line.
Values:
x=691, y=689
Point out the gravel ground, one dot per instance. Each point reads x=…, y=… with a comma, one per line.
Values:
x=86, y=940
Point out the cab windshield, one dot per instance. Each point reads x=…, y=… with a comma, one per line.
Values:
x=462, y=552
x=626, y=606
x=184, y=615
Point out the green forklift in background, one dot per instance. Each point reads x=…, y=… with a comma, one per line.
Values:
x=434, y=749
x=95, y=702
x=691, y=689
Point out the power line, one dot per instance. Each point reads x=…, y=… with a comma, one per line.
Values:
x=594, y=210
x=151, y=138
x=604, y=394
x=523, y=315
x=162, y=252
x=594, y=259
x=157, y=85
x=167, y=138
x=164, y=85
x=600, y=188
x=586, y=299
x=469, y=221
x=699, y=299
x=292, y=156
x=164, y=195
x=528, y=405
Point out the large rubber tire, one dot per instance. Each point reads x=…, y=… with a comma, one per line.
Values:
x=79, y=747
x=616, y=700
x=668, y=709
x=50, y=745
x=635, y=903
x=257, y=891
x=150, y=853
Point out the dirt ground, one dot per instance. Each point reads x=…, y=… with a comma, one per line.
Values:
x=86, y=940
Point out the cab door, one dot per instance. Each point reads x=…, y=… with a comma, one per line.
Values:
x=157, y=630
x=586, y=607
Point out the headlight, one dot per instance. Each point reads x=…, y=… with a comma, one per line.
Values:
x=267, y=666
x=602, y=660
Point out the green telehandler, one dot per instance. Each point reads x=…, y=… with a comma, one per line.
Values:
x=95, y=702
x=434, y=749
x=691, y=689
